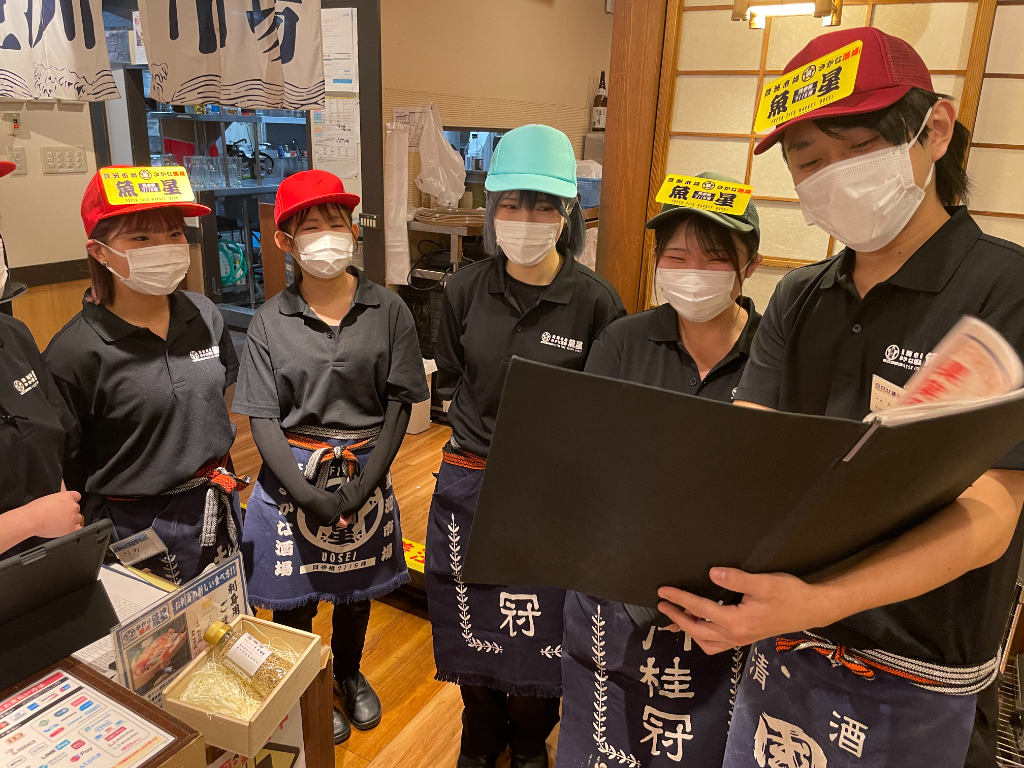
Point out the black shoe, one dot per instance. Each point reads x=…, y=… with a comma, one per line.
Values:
x=518, y=761
x=362, y=706
x=342, y=730
x=475, y=761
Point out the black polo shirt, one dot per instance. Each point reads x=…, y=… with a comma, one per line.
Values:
x=646, y=348
x=816, y=351
x=482, y=328
x=299, y=370
x=37, y=430
x=152, y=410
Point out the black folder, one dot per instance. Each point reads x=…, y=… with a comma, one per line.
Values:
x=614, y=489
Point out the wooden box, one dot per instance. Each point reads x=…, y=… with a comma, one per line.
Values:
x=241, y=736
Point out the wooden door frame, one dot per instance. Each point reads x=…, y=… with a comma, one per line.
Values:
x=631, y=146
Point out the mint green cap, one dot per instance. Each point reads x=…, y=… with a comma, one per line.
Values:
x=534, y=157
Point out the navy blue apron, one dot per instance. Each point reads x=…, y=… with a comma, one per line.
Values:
x=640, y=695
x=291, y=561
x=503, y=637
x=807, y=703
x=198, y=522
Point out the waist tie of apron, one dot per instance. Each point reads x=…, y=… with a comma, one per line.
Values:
x=221, y=483
x=954, y=681
x=463, y=459
x=318, y=466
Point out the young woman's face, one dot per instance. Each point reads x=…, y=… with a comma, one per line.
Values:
x=683, y=251
x=509, y=209
x=317, y=221
x=127, y=241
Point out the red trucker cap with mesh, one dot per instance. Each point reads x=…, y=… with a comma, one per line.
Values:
x=889, y=68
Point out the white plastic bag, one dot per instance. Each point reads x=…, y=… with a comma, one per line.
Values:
x=442, y=169
x=396, y=199
x=588, y=169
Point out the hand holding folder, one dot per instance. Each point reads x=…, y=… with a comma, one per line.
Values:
x=615, y=489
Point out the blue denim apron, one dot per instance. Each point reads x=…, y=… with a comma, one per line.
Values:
x=198, y=522
x=807, y=703
x=640, y=695
x=291, y=561
x=503, y=637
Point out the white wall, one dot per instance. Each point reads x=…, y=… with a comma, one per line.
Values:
x=40, y=215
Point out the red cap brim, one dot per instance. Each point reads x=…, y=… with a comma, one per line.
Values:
x=347, y=199
x=854, y=104
x=6, y=167
x=187, y=210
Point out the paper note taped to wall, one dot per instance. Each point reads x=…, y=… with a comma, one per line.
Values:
x=705, y=194
x=336, y=136
x=341, y=49
x=821, y=82
x=131, y=186
x=414, y=117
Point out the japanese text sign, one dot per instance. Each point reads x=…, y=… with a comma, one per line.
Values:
x=821, y=82
x=132, y=186
x=705, y=194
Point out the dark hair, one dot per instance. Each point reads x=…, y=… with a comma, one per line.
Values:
x=570, y=242
x=898, y=123
x=152, y=221
x=329, y=211
x=712, y=238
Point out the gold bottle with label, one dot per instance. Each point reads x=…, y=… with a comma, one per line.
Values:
x=247, y=657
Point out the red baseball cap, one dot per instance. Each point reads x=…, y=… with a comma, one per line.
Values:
x=308, y=188
x=889, y=68
x=96, y=207
x=6, y=167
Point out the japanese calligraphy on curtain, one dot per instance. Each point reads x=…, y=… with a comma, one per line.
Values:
x=257, y=54
x=54, y=49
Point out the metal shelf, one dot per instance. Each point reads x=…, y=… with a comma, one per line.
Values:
x=221, y=118
x=437, y=229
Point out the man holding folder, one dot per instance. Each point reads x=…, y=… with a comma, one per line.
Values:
x=892, y=660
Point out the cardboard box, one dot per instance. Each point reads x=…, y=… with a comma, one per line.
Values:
x=185, y=750
x=241, y=736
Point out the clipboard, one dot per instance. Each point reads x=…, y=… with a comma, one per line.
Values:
x=614, y=489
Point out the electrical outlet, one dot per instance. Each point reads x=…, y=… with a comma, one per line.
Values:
x=19, y=157
x=12, y=123
x=63, y=159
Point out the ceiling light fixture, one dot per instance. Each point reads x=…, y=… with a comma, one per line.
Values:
x=829, y=11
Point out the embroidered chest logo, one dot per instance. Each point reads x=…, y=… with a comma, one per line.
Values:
x=26, y=383
x=199, y=356
x=905, y=358
x=561, y=342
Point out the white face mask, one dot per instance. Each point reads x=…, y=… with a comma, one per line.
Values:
x=325, y=254
x=864, y=202
x=526, y=242
x=156, y=270
x=698, y=295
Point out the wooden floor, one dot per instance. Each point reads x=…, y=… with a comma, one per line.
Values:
x=422, y=717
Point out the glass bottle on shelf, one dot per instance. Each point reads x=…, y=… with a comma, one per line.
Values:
x=599, y=112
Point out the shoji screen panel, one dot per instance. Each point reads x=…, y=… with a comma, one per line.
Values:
x=996, y=162
x=722, y=64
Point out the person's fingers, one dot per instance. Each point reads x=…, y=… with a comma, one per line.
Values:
x=706, y=631
x=736, y=580
x=75, y=495
x=698, y=606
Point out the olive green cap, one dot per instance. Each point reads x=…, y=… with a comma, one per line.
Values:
x=748, y=221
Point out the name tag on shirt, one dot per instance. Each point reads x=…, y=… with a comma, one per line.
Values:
x=884, y=394
x=138, y=547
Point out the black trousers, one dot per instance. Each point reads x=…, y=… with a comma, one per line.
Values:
x=349, y=632
x=493, y=720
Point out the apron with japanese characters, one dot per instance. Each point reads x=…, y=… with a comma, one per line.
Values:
x=805, y=702
x=640, y=695
x=197, y=522
x=292, y=561
x=503, y=637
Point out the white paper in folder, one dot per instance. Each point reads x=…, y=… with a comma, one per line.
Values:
x=340, y=49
